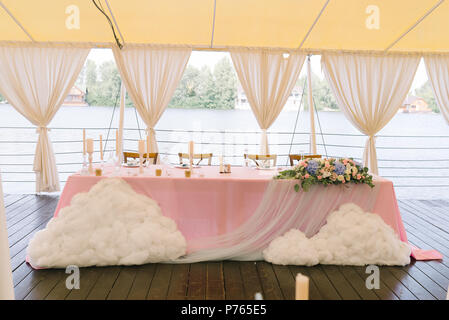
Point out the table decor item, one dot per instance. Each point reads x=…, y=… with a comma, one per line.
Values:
x=158, y=172
x=141, y=152
x=84, y=170
x=98, y=172
x=101, y=151
x=188, y=173
x=185, y=166
x=90, y=151
x=221, y=164
x=327, y=171
x=148, y=149
x=191, y=147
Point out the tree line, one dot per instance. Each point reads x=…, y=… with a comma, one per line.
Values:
x=205, y=88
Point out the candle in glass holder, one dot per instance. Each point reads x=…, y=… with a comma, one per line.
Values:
x=117, y=143
x=141, y=146
x=90, y=145
x=221, y=164
x=148, y=148
x=84, y=142
x=302, y=287
x=158, y=172
x=101, y=147
x=98, y=172
x=187, y=173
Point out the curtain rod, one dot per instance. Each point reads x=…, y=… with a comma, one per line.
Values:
x=311, y=51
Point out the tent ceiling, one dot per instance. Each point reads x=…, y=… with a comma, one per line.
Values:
x=246, y=23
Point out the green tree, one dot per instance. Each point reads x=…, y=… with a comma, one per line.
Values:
x=226, y=83
x=102, y=84
x=322, y=93
x=426, y=92
x=202, y=88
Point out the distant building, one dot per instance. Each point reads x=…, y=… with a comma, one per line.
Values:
x=292, y=103
x=75, y=98
x=413, y=104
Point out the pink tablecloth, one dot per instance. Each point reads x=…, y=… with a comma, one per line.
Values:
x=213, y=203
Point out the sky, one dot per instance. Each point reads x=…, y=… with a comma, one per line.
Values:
x=201, y=58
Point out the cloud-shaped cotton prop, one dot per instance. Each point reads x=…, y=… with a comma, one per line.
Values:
x=350, y=237
x=109, y=225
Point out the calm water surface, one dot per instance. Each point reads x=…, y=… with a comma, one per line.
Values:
x=415, y=172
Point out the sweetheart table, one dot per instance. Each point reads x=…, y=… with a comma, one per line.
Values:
x=210, y=204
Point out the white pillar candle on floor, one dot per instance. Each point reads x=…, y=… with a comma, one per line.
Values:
x=84, y=142
x=101, y=147
x=90, y=145
x=6, y=284
x=302, y=287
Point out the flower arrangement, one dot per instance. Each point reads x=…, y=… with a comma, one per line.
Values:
x=326, y=172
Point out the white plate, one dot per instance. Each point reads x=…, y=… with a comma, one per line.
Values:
x=130, y=165
x=185, y=167
x=261, y=168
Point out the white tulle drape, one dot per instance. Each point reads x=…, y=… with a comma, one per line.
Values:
x=268, y=78
x=151, y=75
x=438, y=73
x=369, y=90
x=281, y=209
x=35, y=80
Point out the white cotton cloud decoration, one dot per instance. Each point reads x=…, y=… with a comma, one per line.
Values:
x=350, y=237
x=109, y=225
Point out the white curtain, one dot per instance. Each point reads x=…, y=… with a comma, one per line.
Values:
x=268, y=78
x=151, y=75
x=369, y=90
x=6, y=284
x=438, y=72
x=35, y=79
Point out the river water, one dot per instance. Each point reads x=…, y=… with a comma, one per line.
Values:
x=419, y=173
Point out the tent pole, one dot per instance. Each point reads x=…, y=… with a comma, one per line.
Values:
x=312, y=148
x=121, y=119
x=6, y=284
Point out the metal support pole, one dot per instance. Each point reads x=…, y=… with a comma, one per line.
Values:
x=312, y=145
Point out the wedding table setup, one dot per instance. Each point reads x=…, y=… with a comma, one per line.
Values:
x=326, y=210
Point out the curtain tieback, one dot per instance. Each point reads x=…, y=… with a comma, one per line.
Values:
x=150, y=130
x=39, y=129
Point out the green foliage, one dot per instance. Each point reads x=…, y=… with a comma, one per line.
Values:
x=322, y=93
x=202, y=88
x=1, y=98
x=426, y=92
x=102, y=84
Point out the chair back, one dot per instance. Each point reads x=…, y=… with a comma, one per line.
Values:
x=299, y=157
x=196, y=156
x=135, y=155
x=258, y=158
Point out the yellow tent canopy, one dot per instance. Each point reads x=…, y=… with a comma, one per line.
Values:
x=312, y=25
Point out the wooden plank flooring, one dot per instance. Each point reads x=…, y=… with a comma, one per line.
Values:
x=426, y=222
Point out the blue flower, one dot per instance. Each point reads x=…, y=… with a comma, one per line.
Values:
x=339, y=168
x=312, y=167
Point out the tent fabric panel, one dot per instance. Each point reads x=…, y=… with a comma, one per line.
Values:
x=165, y=22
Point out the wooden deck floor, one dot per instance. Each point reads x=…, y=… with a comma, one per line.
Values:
x=427, y=224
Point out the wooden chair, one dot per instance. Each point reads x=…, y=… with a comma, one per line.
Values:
x=299, y=157
x=196, y=156
x=135, y=155
x=259, y=157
